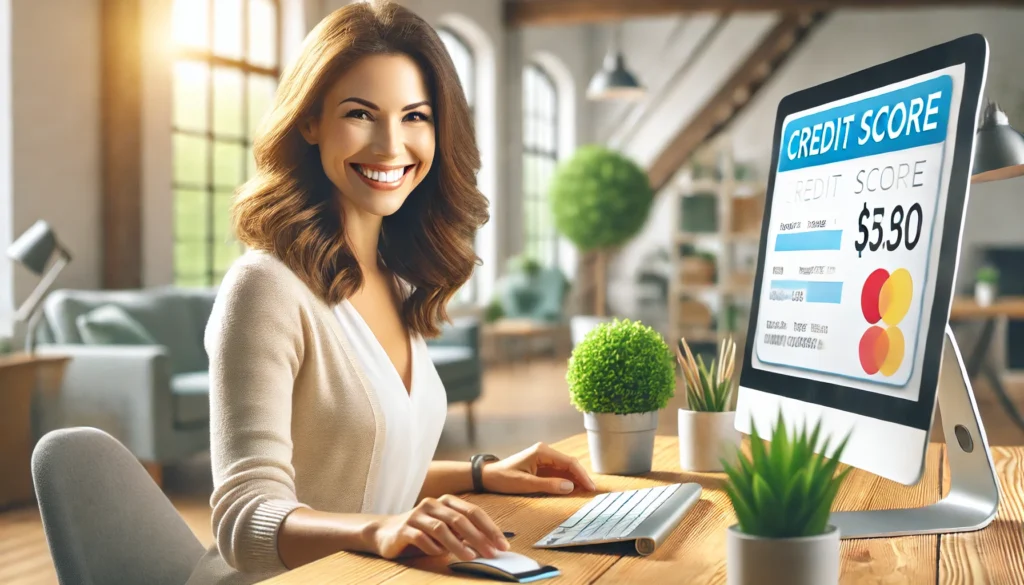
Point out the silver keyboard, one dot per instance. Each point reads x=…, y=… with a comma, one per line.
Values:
x=646, y=516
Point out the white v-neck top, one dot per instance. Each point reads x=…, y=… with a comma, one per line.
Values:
x=413, y=419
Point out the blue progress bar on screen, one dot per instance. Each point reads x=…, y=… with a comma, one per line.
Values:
x=816, y=292
x=804, y=241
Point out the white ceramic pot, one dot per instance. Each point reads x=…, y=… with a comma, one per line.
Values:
x=621, y=444
x=984, y=293
x=808, y=560
x=705, y=438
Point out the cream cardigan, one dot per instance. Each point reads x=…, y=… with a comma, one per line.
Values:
x=293, y=421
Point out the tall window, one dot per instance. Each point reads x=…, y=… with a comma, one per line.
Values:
x=226, y=68
x=465, y=65
x=540, y=156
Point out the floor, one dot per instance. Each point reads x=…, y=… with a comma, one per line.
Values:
x=522, y=404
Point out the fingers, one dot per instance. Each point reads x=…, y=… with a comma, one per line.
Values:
x=479, y=518
x=423, y=542
x=463, y=527
x=438, y=530
x=549, y=456
x=547, y=485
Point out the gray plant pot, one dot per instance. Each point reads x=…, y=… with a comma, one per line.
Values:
x=808, y=560
x=621, y=444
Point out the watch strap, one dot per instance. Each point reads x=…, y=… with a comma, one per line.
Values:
x=476, y=468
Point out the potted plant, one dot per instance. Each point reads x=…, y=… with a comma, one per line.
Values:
x=707, y=427
x=599, y=199
x=620, y=375
x=494, y=311
x=985, y=285
x=782, y=496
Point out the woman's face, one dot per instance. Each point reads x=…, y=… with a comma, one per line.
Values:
x=376, y=133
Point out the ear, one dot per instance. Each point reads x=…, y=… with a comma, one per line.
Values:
x=309, y=127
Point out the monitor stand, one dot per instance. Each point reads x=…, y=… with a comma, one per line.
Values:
x=973, y=488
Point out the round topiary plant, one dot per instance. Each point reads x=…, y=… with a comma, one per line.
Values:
x=621, y=367
x=599, y=198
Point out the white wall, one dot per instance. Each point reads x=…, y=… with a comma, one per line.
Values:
x=55, y=135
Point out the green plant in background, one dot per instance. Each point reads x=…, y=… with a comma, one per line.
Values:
x=988, y=275
x=524, y=265
x=5, y=345
x=708, y=389
x=494, y=311
x=785, y=490
x=621, y=367
x=599, y=199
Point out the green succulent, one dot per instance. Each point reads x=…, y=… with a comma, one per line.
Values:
x=708, y=390
x=988, y=274
x=621, y=367
x=599, y=198
x=785, y=490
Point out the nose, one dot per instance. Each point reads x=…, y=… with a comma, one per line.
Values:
x=387, y=139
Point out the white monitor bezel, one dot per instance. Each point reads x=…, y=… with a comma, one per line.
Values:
x=891, y=436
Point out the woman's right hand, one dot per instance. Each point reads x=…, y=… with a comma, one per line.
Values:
x=438, y=526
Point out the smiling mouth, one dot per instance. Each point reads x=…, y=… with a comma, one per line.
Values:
x=383, y=178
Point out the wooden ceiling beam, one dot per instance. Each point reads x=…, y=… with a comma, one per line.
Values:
x=778, y=44
x=563, y=12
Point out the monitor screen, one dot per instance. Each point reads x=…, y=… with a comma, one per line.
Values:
x=855, y=219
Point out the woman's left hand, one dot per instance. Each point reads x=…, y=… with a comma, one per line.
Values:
x=539, y=469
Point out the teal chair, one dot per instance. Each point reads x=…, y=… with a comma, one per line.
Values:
x=539, y=296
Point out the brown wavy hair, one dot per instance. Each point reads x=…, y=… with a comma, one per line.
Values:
x=289, y=208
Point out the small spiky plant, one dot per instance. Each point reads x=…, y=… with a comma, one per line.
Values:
x=786, y=490
x=708, y=389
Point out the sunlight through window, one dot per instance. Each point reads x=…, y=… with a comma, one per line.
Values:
x=225, y=76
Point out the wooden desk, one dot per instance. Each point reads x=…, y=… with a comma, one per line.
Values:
x=20, y=376
x=695, y=552
x=977, y=362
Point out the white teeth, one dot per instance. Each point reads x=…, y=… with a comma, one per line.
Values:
x=382, y=176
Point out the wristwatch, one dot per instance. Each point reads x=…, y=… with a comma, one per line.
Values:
x=476, y=466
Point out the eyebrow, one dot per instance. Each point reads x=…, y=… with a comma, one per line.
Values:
x=373, y=106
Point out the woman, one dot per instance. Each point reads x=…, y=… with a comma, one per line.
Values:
x=325, y=407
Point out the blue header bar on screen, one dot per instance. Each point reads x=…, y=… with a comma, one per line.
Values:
x=911, y=116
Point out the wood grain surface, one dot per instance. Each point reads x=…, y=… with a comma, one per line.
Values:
x=695, y=552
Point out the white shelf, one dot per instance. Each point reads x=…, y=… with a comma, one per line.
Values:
x=734, y=281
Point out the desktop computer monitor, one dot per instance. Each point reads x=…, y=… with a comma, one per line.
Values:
x=858, y=255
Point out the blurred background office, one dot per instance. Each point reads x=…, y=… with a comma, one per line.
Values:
x=126, y=125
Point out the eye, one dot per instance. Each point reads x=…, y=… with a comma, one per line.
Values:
x=417, y=117
x=359, y=115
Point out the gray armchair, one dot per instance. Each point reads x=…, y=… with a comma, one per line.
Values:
x=456, y=355
x=152, y=397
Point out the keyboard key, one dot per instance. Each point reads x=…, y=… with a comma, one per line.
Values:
x=572, y=520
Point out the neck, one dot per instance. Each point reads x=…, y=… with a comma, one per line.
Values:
x=362, y=231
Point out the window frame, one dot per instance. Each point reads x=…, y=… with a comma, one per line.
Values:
x=211, y=276
x=469, y=294
x=541, y=247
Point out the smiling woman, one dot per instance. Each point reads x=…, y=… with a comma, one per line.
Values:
x=325, y=406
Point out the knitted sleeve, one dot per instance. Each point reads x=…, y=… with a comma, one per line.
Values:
x=254, y=342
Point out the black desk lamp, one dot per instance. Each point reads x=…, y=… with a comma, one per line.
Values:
x=33, y=250
x=998, y=148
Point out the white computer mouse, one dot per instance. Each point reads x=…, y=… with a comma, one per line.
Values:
x=508, y=566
